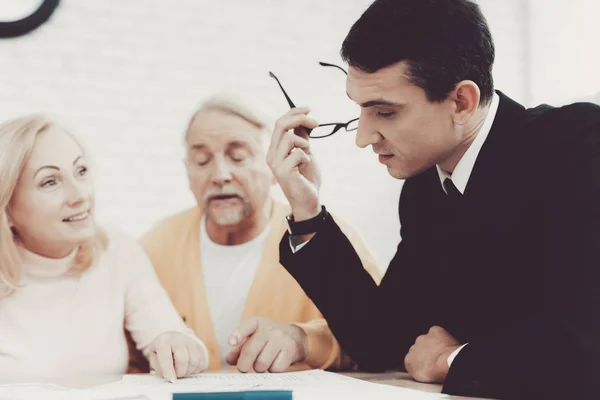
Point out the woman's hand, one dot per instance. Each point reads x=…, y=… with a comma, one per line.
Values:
x=175, y=355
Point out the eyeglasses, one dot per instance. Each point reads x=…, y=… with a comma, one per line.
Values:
x=323, y=130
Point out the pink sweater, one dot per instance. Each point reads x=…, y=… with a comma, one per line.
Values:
x=59, y=326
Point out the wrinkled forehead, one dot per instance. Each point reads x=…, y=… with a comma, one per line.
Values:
x=217, y=129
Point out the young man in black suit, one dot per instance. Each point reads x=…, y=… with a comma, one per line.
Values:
x=494, y=287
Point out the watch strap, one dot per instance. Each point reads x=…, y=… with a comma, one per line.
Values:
x=311, y=225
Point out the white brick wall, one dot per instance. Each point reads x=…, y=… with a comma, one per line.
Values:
x=125, y=75
x=565, y=53
x=508, y=22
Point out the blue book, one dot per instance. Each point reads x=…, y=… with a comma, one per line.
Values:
x=244, y=395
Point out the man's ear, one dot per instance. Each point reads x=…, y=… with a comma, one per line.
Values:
x=466, y=97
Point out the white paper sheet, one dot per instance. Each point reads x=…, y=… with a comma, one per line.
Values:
x=30, y=391
x=313, y=385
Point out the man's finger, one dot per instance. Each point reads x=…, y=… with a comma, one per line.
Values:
x=181, y=358
x=269, y=352
x=436, y=331
x=250, y=351
x=289, y=122
x=294, y=160
x=408, y=363
x=276, y=136
x=245, y=329
x=298, y=110
x=282, y=362
x=294, y=121
x=420, y=339
x=234, y=354
x=302, y=132
x=164, y=356
x=289, y=142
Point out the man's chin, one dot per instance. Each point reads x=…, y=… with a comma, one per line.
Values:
x=404, y=173
x=398, y=173
x=225, y=219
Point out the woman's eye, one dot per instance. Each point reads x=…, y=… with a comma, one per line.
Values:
x=48, y=183
x=82, y=171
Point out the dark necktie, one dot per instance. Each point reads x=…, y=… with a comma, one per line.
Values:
x=453, y=193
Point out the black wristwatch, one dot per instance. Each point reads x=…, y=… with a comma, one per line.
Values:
x=307, y=226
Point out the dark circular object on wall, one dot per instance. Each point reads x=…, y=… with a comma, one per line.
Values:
x=11, y=29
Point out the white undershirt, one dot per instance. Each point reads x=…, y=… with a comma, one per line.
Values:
x=228, y=275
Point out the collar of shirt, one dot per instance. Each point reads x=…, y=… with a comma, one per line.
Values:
x=229, y=255
x=462, y=172
x=35, y=265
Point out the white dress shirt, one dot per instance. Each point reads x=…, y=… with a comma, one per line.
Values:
x=462, y=172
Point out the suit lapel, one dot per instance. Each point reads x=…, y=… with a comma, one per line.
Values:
x=496, y=160
x=493, y=193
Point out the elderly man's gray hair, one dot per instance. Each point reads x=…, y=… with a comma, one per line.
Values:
x=249, y=110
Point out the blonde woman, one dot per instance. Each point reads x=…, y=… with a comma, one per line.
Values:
x=68, y=287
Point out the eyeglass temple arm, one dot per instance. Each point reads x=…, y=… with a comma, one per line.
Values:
x=324, y=64
x=290, y=102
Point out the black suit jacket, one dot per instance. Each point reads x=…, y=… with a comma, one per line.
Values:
x=513, y=268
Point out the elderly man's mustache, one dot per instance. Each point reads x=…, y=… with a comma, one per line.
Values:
x=222, y=196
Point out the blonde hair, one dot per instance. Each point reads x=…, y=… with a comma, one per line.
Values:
x=17, y=139
x=240, y=106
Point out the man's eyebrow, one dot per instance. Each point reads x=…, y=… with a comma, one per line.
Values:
x=199, y=146
x=239, y=143
x=377, y=102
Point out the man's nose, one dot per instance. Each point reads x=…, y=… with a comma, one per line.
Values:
x=222, y=172
x=366, y=133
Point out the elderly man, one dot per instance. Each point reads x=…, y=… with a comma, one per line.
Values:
x=219, y=261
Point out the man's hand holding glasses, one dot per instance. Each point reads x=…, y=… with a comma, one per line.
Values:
x=293, y=165
x=291, y=160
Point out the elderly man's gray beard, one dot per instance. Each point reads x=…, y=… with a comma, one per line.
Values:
x=230, y=217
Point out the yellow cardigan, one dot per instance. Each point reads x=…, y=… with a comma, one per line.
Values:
x=173, y=248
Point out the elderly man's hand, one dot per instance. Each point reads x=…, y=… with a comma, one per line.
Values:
x=427, y=359
x=260, y=345
x=174, y=355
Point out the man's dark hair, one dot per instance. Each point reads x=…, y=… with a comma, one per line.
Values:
x=442, y=41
